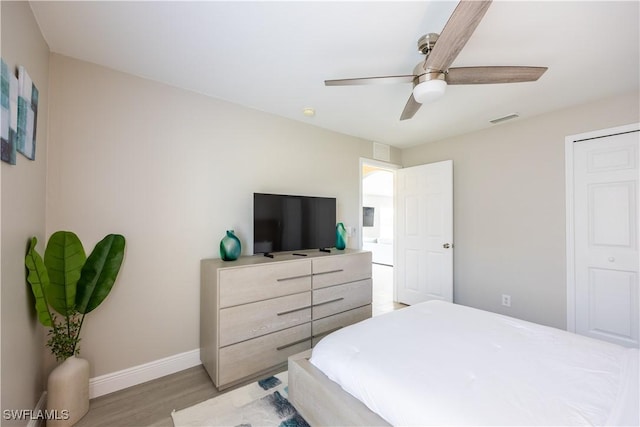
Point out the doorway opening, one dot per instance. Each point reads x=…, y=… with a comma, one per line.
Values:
x=377, y=229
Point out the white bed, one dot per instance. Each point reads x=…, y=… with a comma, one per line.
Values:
x=438, y=363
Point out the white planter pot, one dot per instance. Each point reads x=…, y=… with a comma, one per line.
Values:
x=68, y=392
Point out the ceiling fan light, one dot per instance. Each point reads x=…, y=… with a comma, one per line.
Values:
x=429, y=90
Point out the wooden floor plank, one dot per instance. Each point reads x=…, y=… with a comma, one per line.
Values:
x=151, y=403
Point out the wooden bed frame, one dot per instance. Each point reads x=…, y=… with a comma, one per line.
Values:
x=322, y=402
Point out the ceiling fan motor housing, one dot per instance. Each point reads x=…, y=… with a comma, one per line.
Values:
x=422, y=75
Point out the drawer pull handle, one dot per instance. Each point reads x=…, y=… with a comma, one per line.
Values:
x=328, y=272
x=282, y=313
x=328, y=302
x=284, y=279
x=330, y=331
x=282, y=347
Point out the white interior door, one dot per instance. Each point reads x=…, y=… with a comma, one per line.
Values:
x=606, y=205
x=424, y=236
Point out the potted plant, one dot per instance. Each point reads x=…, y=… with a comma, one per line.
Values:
x=69, y=283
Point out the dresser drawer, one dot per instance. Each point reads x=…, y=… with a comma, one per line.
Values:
x=336, y=299
x=323, y=327
x=248, y=321
x=334, y=270
x=264, y=281
x=240, y=360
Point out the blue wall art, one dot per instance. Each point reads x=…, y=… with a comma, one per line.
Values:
x=8, y=115
x=27, y=114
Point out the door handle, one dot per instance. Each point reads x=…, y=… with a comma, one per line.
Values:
x=447, y=246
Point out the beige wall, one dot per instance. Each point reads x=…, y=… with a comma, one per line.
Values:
x=23, y=216
x=509, y=207
x=171, y=170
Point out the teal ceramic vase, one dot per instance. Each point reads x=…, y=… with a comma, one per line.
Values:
x=341, y=236
x=230, y=247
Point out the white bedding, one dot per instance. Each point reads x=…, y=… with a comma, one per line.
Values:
x=438, y=363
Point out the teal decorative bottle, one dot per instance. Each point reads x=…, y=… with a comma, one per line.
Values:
x=341, y=236
x=230, y=247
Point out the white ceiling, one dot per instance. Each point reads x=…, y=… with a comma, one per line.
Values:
x=275, y=56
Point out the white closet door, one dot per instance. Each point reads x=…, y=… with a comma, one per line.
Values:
x=606, y=205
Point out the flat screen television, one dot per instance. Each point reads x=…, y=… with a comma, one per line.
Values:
x=290, y=223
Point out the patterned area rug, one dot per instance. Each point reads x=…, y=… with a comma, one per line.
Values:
x=263, y=403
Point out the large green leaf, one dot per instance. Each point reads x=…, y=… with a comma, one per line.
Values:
x=64, y=258
x=39, y=281
x=100, y=272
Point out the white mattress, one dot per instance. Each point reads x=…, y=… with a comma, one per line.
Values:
x=438, y=363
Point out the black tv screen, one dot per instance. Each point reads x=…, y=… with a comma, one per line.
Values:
x=289, y=223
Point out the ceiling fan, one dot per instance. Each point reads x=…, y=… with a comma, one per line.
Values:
x=431, y=76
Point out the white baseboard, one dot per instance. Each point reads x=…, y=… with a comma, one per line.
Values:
x=41, y=406
x=119, y=380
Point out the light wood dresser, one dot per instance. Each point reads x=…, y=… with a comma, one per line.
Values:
x=256, y=311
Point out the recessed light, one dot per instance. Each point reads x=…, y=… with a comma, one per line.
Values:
x=309, y=112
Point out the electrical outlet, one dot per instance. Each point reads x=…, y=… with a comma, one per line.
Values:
x=506, y=300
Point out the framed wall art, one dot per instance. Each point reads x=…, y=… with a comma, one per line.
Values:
x=8, y=114
x=27, y=114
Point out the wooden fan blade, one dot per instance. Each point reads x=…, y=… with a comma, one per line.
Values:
x=490, y=75
x=410, y=109
x=370, y=80
x=455, y=34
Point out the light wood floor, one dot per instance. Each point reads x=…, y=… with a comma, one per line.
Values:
x=151, y=403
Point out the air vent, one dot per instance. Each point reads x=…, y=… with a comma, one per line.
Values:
x=381, y=152
x=505, y=118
